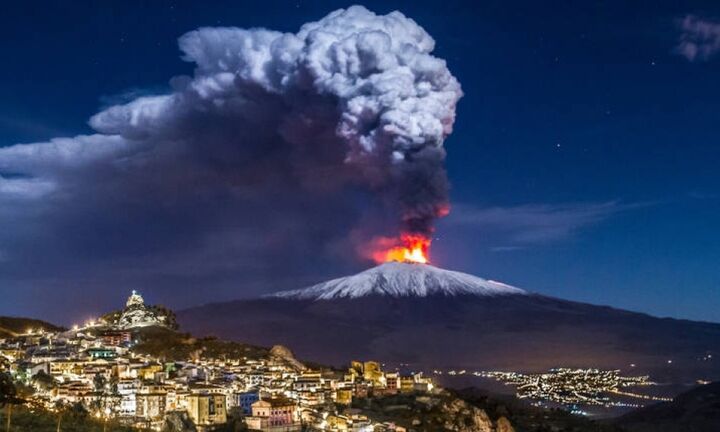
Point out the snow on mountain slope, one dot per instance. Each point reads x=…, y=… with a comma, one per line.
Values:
x=402, y=280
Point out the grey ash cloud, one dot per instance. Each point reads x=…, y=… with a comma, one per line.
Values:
x=276, y=149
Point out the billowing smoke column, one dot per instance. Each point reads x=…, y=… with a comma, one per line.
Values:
x=395, y=102
x=353, y=101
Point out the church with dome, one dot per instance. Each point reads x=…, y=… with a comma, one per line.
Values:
x=137, y=314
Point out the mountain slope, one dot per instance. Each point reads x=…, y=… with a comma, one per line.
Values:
x=456, y=327
x=697, y=410
x=402, y=280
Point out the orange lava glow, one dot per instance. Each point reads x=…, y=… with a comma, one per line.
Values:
x=413, y=248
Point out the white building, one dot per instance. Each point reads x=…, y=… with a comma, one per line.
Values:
x=127, y=390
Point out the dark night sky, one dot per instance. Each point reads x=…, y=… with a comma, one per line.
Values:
x=583, y=163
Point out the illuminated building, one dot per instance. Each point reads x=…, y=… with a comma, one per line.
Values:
x=207, y=409
x=274, y=414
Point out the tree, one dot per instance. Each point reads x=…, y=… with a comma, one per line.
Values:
x=8, y=392
x=77, y=411
x=8, y=396
x=170, y=318
x=43, y=380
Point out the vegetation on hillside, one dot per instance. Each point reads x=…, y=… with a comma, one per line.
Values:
x=423, y=412
x=171, y=345
x=111, y=317
x=11, y=326
x=526, y=418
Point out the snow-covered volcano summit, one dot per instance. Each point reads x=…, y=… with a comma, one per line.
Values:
x=402, y=280
x=437, y=318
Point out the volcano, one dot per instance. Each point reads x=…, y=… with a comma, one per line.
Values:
x=432, y=318
x=399, y=279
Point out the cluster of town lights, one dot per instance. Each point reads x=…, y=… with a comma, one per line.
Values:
x=573, y=387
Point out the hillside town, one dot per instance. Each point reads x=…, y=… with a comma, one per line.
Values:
x=98, y=366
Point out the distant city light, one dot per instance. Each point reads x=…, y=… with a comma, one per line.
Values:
x=575, y=387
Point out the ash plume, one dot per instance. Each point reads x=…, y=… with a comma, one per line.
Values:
x=272, y=133
x=371, y=79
